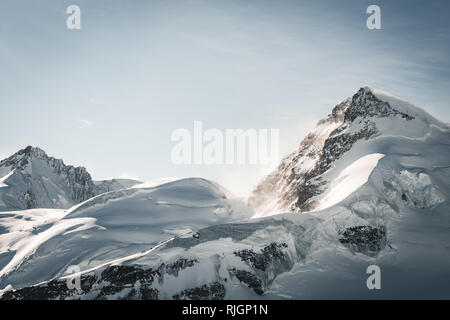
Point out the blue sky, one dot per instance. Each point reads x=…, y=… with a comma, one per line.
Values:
x=109, y=96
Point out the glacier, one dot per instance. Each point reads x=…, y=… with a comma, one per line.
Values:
x=368, y=186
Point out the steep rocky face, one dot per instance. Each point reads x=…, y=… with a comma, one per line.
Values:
x=293, y=186
x=37, y=180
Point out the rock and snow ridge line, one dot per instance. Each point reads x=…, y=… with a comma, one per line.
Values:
x=32, y=179
x=303, y=177
x=397, y=218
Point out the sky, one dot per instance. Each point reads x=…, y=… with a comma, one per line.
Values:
x=109, y=96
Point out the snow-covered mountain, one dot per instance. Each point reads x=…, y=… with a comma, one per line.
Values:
x=39, y=244
x=368, y=123
x=368, y=186
x=32, y=179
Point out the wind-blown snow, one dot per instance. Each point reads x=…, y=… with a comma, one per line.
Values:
x=349, y=180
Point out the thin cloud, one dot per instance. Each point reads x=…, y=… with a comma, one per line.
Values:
x=85, y=123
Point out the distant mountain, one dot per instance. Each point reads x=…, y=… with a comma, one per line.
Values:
x=32, y=179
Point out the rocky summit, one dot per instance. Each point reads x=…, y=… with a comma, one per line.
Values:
x=299, y=179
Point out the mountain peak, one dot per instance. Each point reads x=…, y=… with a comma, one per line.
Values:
x=365, y=103
x=401, y=105
x=21, y=158
x=37, y=180
x=301, y=179
x=33, y=151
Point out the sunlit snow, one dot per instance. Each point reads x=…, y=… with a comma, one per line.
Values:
x=349, y=180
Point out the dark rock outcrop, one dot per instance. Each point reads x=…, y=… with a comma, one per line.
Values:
x=211, y=291
x=251, y=280
x=365, y=239
x=267, y=256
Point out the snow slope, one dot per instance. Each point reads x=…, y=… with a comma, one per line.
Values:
x=391, y=209
x=349, y=180
x=103, y=186
x=37, y=245
x=369, y=186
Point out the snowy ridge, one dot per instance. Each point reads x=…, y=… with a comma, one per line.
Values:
x=349, y=180
x=104, y=186
x=351, y=131
x=107, y=227
x=370, y=185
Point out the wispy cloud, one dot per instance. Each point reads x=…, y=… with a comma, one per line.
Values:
x=85, y=123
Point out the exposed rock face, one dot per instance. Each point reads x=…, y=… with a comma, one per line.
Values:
x=117, y=282
x=212, y=291
x=40, y=181
x=250, y=280
x=180, y=264
x=125, y=282
x=122, y=282
x=262, y=260
x=366, y=104
x=365, y=239
x=270, y=258
x=298, y=179
x=132, y=282
x=52, y=290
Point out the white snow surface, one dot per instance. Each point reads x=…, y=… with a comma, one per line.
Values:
x=349, y=180
x=2, y=183
x=414, y=263
x=37, y=245
x=398, y=179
